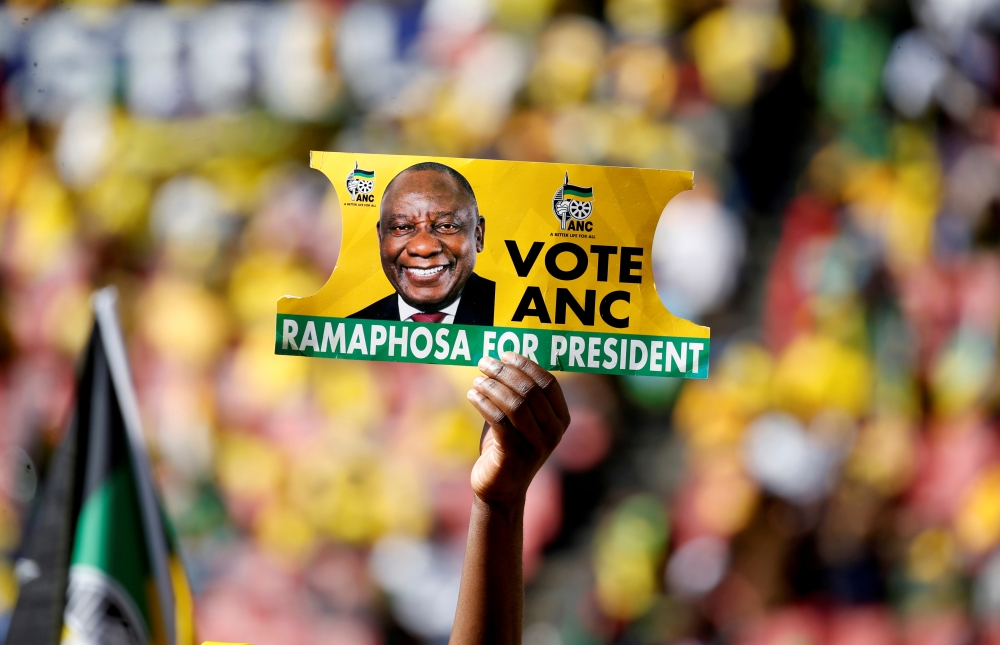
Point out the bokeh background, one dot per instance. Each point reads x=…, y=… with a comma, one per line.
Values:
x=835, y=481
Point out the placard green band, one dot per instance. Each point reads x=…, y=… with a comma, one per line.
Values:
x=410, y=342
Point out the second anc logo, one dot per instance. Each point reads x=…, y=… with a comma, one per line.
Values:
x=573, y=205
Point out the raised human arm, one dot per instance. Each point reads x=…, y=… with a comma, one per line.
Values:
x=526, y=416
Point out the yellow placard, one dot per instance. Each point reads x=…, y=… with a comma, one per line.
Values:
x=446, y=260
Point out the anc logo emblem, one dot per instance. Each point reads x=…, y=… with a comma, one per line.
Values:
x=361, y=184
x=572, y=204
x=99, y=610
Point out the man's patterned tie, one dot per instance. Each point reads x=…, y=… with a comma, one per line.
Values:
x=435, y=317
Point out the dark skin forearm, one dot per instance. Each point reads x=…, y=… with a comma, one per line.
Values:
x=492, y=592
x=526, y=415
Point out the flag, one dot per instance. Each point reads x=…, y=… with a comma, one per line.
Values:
x=100, y=564
x=579, y=192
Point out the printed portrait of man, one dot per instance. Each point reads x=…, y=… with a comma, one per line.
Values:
x=429, y=234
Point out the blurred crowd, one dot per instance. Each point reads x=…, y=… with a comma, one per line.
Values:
x=835, y=481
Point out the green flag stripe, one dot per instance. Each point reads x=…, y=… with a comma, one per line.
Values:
x=367, y=174
x=110, y=538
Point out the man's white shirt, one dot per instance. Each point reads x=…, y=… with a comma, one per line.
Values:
x=406, y=311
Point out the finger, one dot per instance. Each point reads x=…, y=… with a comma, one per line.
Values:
x=511, y=376
x=515, y=407
x=506, y=435
x=494, y=417
x=548, y=383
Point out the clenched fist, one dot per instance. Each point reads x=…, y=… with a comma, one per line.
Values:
x=526, y=416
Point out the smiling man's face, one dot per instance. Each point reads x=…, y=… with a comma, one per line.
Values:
x=429, y=234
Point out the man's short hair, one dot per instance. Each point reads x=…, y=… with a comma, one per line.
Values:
x=434, y=166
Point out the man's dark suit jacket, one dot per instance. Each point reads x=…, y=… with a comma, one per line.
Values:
x=475, y=307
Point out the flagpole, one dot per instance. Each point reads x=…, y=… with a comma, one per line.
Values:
x=104, y=302
x=565, y=214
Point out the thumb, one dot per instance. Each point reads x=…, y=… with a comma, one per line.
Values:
x=482, y=437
